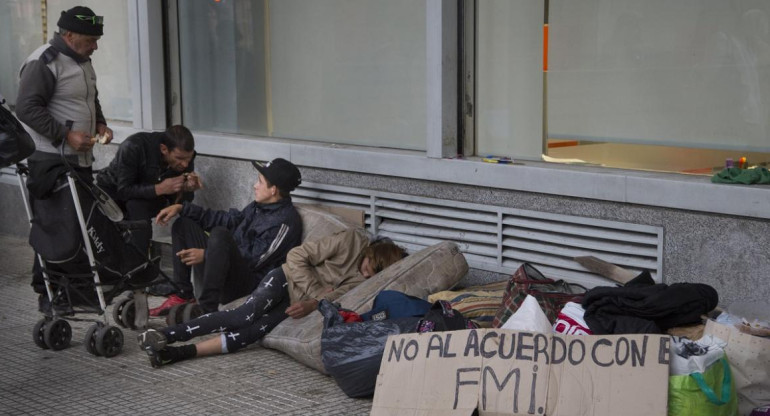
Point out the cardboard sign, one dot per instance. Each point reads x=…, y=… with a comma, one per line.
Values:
x=503, y=372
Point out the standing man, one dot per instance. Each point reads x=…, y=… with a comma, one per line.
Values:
x=150, y=172
x=241, y=246
x=59, y=105
x=58, y=100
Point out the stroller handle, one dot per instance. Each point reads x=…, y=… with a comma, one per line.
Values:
x=106, y=204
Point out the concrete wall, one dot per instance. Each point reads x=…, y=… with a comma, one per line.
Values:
x=729, y=253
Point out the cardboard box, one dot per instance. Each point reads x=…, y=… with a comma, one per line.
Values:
x=503, y=372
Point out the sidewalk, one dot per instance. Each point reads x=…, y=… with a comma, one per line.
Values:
x=74, y=382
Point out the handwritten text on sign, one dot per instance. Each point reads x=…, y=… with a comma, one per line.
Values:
x=513, y=365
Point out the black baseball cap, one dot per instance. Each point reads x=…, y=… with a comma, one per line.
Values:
x=280, y=172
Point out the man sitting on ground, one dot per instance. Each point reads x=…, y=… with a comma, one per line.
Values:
x=151, y=171
x=241, y=247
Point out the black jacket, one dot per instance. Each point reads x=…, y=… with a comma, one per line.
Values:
x=137, y=168
x=264, y=233
x=643, y=307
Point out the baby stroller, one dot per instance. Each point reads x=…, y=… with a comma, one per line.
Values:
x=85, y=278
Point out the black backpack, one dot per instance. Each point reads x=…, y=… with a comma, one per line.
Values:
x=15, y=143
x=442, y=317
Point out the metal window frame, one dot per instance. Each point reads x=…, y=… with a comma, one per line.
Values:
x=147, y=54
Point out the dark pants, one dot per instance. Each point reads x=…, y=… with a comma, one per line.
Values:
x=142, y=209
x=246, y=324
x=136, y=210
x=224, y=274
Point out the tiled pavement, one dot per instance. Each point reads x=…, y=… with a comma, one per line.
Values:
x=255, y=381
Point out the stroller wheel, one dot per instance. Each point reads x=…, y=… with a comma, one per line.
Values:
x=128, y=314
x=109, y=341
x=90, y=339
x=175, y=315
x=58, y=334
x=38, y=333
x=191, y=311
x=117, y=311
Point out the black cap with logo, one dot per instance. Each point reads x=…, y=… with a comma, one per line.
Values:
x=81, y=20
x=281, y=173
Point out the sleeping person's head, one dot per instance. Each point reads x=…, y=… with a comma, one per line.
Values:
x=378, y=256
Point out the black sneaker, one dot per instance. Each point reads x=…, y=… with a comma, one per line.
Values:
x=151, y=341
x=161, y=289
x=159, y=358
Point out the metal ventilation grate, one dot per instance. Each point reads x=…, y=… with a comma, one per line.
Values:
x=499, y=239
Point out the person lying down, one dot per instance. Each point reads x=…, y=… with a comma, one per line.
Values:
x=316, y=270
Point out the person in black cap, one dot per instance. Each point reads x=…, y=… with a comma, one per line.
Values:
x=241, y=246
x=58, y=102
x=322, y=269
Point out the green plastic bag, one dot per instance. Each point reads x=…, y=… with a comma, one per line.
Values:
x=711, y=393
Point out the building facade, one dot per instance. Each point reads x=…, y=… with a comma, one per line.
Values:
x=524, y=130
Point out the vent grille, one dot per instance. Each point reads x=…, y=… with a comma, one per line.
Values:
x=499, y=239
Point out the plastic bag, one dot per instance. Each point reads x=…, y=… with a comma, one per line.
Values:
x=690, y=357
x=701, y=382
x=352, y=352
x=529, y=317
x=749, y=358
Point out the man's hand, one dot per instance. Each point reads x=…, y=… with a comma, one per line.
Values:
x=170, y=186
x=166, y=214
x=79, y=140
x=191, y=256
x=302, y=308
x=192, y=182
x=105, y=133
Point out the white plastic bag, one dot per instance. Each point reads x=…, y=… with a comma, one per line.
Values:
x=529, y=317
x=712, y=348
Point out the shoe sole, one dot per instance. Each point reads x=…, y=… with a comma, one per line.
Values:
x=155, y=312
x=150, y=344
x=162, y=312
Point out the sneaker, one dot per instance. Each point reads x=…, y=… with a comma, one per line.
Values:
x=161, y=289
x=159, y=358
x=151, y=340
x=170, y=302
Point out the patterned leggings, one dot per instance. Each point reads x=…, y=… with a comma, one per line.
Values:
x=263, y=310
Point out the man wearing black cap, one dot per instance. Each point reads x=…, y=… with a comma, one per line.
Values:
x=241, y=246
x=58, y=100
x=58, y=103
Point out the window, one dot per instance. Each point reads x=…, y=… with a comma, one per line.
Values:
x=21, y=32
x=22, y=28
x=509, y=78
x=673, y=86
x=326, y=70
